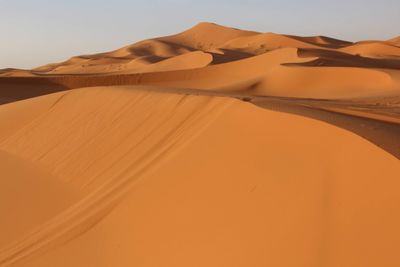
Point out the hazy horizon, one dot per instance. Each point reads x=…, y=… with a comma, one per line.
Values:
x=45, y=31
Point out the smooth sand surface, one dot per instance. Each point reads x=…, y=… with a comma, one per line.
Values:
x=199, y=180
x=212, y=147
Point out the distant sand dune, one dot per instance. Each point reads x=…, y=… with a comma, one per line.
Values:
x=276, y=73
x=210, y=56
x=378, y=50
x=395, y=41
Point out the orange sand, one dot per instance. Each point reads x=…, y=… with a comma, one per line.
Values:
x=212, y=147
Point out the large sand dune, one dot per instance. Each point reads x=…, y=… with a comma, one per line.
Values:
x=212, y=147
x=193, y=177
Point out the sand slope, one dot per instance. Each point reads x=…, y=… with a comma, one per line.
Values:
x=194, y=181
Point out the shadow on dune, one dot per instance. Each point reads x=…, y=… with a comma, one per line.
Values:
x=341, y=59
x=19, y=88
x=229, y=55
x=322, y=41
x=382, y=134
x=153, y=59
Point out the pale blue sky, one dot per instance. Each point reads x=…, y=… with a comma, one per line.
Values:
x=36, y=32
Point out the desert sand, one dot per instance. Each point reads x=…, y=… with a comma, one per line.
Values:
x=211, y=147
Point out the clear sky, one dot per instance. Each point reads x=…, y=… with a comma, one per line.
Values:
x=36, y=32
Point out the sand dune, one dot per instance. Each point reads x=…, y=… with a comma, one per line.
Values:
x=15, y=73
x=324, y=41
x=213, y=57
x=340, y=59
x=395, y=41
x=309, y=75
x=211, y=147
x=375, y=49
x=265, y=42
x=189, y=60
x=203, y=37
x=136, y=182
x=206, y=36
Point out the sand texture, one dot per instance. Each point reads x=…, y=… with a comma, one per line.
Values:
x=212, y=147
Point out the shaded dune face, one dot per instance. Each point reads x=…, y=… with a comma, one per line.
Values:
x=198, y=180
x=211, y=147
